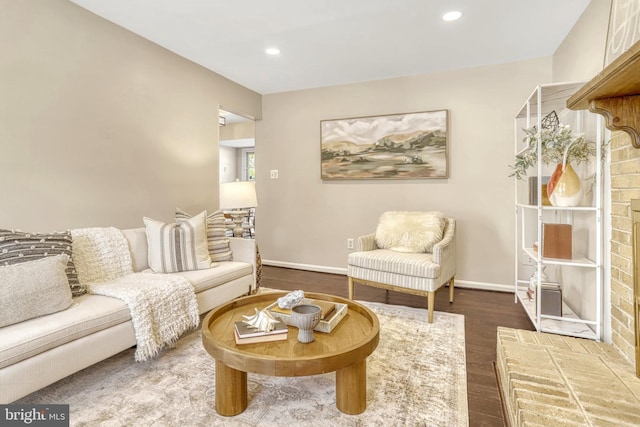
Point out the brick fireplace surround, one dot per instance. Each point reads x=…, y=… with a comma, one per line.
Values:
x=625, y=185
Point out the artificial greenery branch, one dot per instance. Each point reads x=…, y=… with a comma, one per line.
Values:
x=554, y=142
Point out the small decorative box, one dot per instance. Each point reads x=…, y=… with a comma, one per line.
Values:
x=325, y=326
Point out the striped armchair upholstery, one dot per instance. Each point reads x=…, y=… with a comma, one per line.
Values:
x=415, y=273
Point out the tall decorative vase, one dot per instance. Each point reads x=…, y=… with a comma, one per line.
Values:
x=564, y=187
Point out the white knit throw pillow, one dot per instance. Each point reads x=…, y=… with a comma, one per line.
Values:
x=410, y=231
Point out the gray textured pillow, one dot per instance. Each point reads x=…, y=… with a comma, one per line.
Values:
x=218, y=243
x=410, y=231
x=33, y=289
x=18, y=246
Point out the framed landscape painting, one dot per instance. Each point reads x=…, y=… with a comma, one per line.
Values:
x=398, y=146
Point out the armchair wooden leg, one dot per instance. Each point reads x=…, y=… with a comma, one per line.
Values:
x=451, y=288
x=350, y=288
x=431, y=302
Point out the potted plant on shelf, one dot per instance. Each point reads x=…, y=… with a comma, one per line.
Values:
x=560, y=147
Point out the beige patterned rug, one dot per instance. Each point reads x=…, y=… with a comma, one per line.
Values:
x=416, y=377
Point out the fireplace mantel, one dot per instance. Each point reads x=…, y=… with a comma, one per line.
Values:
x=615, y=93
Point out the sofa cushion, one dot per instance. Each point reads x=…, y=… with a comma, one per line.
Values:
x=210, y=278
x=17, y=246
x=410, y=231
x=33, y=289
x=178, y=247
x=217, y=240
x=88, y=314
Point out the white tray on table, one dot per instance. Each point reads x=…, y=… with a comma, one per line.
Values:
x=324, y=325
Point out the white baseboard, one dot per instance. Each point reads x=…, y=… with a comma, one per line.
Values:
x=467, y=284
x=308, y=267
x=484, y=286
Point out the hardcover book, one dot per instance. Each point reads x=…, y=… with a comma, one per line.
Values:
x=557, y=241
x=260, y=338
x=243, y=330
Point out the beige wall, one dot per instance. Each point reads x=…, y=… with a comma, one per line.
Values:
x=99, y=126
x=304, y=220
x=581, y=54
x=241, y=130
x=228, y=164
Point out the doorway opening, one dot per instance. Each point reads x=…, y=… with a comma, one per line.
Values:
x=237, y=147
x=237, y=159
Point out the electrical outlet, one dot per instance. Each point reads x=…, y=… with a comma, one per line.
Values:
x=349, y=243
x=274, y=173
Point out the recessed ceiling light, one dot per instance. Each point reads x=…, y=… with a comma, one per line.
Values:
x=452, y=16
x=273, y=51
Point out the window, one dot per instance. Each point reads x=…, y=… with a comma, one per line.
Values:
x=249, y=165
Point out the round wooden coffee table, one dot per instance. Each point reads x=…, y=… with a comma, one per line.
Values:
x=344, y=350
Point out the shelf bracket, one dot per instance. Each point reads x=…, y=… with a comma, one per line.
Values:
x=621, y=113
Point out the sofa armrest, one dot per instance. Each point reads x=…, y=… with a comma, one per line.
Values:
x=244, y=250
x=444, y=252
x=366, y=243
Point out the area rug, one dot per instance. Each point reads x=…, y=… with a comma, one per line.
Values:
x=416, y=377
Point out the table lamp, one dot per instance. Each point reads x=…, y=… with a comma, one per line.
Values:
x=236, y=197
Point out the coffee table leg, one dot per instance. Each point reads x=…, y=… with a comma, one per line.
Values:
x=231, y=390
x=351, y=388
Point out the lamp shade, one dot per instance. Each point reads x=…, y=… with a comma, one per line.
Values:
x=237, y=195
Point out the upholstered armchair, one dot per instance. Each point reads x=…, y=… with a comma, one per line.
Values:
x=416, y=256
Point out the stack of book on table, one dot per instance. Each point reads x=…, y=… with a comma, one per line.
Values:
x=328, y=309
x=247, y=335
x=332, y=314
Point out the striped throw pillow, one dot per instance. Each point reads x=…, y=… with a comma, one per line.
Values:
x=178, y=247
x=18, y=246
x=219, y=248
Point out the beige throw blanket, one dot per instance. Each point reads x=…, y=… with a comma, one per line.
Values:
x=162, y=306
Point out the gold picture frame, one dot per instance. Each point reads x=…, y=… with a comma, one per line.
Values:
x=395, y=146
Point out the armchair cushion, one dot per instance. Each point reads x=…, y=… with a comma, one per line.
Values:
x=415, y=232
x=407, y=264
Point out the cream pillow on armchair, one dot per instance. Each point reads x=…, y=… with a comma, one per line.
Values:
x=410, y=231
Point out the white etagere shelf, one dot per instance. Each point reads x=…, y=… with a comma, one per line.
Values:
x=577, y=262
x=582, y=273
x=569, y=324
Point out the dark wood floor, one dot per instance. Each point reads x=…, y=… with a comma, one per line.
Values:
x=484, y=311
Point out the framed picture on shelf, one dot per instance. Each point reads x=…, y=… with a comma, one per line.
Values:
x=534, y=188
x=397, y=146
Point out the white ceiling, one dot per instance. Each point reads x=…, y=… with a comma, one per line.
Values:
x=331, y=42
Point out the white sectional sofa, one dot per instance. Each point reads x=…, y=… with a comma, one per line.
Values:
x=40, y=351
